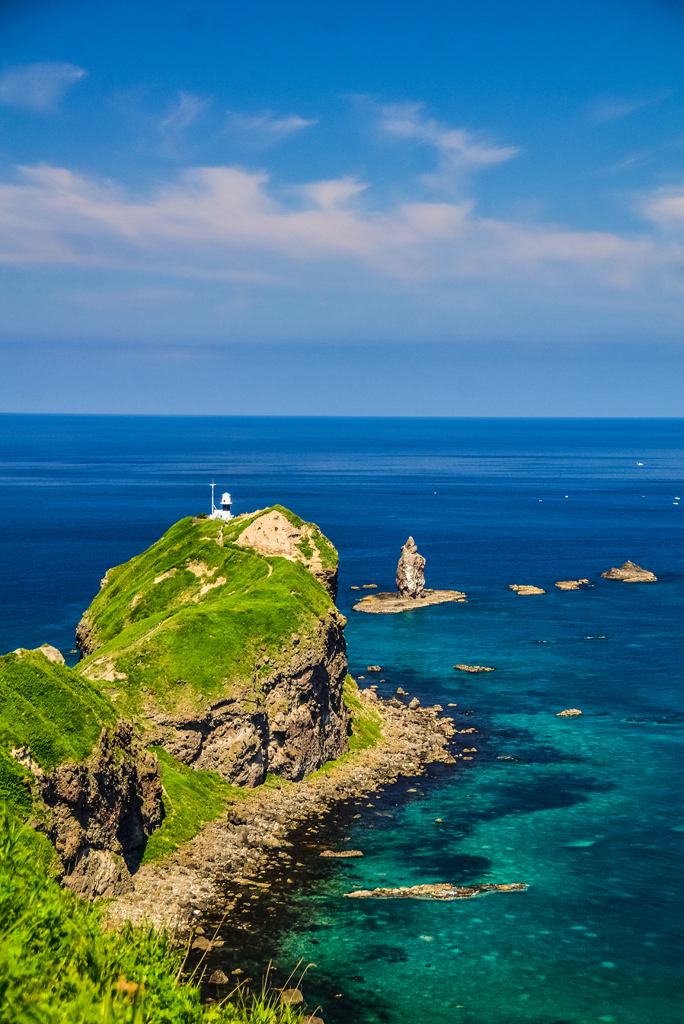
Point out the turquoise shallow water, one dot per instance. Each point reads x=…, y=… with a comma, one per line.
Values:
x=589, y=815
x=588, y=812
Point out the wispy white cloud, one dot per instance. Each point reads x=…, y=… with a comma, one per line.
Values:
x=258, y=131
x=37, y=86
x=666, y=208
x=208, y=221
x=173, y=126
x=603, y=110
x=132, y=296
x=458, y=151
x=611, y=110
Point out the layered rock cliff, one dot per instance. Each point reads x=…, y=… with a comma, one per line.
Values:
x=222, y=643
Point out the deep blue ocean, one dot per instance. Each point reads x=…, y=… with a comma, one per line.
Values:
x=588, y=811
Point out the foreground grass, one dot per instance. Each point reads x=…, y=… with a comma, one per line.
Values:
x=58, y=965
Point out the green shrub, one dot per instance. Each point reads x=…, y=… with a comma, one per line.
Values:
x=366, y=721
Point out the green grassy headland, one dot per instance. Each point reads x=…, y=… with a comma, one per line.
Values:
x=189, y=618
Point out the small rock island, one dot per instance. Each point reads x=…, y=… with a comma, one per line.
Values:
x=630, y=573
x=411, y=592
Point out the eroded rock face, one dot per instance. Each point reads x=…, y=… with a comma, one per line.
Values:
x=300, y=723
x=110, y=803
x=99, y=873
x=410, y=571
x=630, y=573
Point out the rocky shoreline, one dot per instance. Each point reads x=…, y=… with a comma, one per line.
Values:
x=252, y=837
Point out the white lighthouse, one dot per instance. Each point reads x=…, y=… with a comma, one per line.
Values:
x=224, y=511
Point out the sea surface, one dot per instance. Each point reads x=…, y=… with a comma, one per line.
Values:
x=587, y=811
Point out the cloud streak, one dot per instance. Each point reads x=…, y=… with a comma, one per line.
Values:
x=259, y=131
x=208, y=221
x=666, y=208
x=604, y=110
x=172, y=128
x=458, y=151
x=37, y=86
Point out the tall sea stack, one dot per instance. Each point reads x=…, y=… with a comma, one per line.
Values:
x=410, y=571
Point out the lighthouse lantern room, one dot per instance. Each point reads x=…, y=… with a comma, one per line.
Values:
x=224, y=511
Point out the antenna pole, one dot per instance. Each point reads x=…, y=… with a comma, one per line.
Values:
x=213, y=507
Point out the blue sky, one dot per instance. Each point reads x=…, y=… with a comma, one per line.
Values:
x=202, y=189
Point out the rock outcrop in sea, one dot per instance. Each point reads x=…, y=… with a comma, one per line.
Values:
x=473, y=668
x=410, y=571
x=442, y=891
x=629, y=572
x=410, y=592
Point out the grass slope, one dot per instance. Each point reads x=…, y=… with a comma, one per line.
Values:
x=49, y=708
x=191, y=799
x=190, y=617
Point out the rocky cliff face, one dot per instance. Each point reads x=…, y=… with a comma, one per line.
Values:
x=73, y=767
x=297, y=724
x=410, y=571
x=100, y=810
